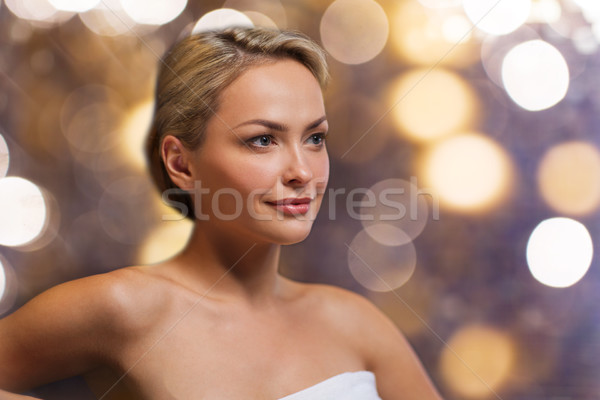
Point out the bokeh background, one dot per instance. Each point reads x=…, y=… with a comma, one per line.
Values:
x=475, y=121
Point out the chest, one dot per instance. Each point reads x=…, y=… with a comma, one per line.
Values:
x=234, y=356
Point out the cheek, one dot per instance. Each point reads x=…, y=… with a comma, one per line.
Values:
x=249, y=174
x=321, y=171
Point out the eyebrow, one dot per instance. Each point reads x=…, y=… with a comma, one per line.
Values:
x=276, y=126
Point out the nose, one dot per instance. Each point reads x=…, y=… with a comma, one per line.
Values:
x=297, y=169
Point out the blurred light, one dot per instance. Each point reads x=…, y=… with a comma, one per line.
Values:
x=94, y=128
x=108, y=19
x=354, y=31
x=34, y=10
x=85, y=96
x=260, y=19
x=584, y=40
x=165, y=241
x=559, y=252
x=456, y=29
x=20, y=31
x=535, y=75
x=430, y=36
x=90, y=119
x=381, y=268
x=477, y=361
x=22, y=211
x=38, y=13
x=107, y=167
x=592, y=14
x=397, y=214
x=354, y=116
x=596, y=30
x=125, y=211
x=469, y=171
x=545, y=11
x=569, y=178
x=83, y=235
x=2, y=281
x=539, y=360
x=497, y=17
x=570, y=20
x=430, y=104
x=415, y=292
x=220, y=19
x=272, y=10
x=590, y=9
x=4, y=157
x=153, y=12
x=50, y=229
x=135, y=129
x=387, y=234
x=42, y=61
x=74, y=5
x=440, y=3
x=8, y=286
x=495, y=48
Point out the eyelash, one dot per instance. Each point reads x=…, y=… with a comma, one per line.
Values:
x=252, y=141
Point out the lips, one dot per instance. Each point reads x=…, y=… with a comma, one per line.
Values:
x=291, y=205
x=291, y=200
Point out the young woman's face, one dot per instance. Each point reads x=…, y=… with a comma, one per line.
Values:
x=263, y=166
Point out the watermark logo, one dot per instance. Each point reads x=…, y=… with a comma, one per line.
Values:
x=393, y=201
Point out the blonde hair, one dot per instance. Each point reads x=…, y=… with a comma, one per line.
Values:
x=194, y=73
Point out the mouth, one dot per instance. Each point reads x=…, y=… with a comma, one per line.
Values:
x=292, y=206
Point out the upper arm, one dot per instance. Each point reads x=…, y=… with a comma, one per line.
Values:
x=398, y=371
x=62, y=332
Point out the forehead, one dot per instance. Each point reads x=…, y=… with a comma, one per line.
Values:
x=279, y=90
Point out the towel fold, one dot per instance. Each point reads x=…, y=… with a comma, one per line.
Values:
x=359, y=385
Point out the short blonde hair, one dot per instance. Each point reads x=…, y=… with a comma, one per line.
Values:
x=195, y=71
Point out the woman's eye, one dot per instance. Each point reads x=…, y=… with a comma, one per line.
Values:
x=317, y=138
x=261, y=141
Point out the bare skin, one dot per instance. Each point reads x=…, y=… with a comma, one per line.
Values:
x=218, y=320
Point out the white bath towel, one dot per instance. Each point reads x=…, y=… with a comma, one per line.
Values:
x=359, y=385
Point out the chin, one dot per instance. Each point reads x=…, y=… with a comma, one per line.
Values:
x=285, y=235
x=293, y=240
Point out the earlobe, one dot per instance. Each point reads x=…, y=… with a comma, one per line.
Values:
x=177, y=162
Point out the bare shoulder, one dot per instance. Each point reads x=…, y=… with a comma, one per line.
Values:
x=129, y=304
x=350, y=309
x=399, y=372
x=131, y=298
x=104, y=300
x=352, y=316
x=112, y=292
x=88, y=316
x=126, y=288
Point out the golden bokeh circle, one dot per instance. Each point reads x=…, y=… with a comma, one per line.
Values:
x=354, y=31
x=477, y=361
x=427, y=105
x=469, y=172
x=569, y=178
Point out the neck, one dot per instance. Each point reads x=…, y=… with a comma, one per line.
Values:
x=233, y=267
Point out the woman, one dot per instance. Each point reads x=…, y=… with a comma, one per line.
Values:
x=237, y=144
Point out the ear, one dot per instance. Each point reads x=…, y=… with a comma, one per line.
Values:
x=177, y=159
